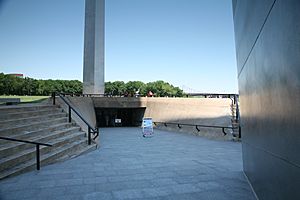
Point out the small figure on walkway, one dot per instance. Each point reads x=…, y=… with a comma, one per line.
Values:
x=150, y=93
x=137, y=93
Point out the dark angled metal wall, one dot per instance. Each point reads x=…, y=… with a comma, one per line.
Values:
x=267, y=34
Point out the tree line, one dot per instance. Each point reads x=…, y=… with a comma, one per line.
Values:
x=12, y=85
x=138, y=88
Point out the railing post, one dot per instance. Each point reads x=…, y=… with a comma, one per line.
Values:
x=237, y=111
x=53, y=97
x=240, y=132
x=223, y=130
x=38, y=157
x=89, y=135
x=70, y=114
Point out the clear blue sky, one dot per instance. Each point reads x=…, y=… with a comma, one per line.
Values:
x=183, y=42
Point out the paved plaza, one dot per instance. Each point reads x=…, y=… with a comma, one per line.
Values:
x=127, y=166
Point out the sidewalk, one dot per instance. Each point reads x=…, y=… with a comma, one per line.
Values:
x=128, y=166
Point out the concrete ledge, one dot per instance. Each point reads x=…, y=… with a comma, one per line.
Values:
x=205, y=111
x=10, y=101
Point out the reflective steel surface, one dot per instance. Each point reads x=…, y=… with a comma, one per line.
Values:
x=268, y=55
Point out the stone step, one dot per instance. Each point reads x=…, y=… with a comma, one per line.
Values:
x=21, y=121
x=24, y=108
x=65, y=152
x=84, y=148
x=15, y=147
x=20, y=129
x=28, y=135
x=18, y=115
x=23, y=156
x=38, y=123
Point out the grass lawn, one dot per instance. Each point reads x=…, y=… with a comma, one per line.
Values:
x=28, y=99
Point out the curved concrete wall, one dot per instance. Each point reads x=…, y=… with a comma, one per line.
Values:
x=208, y=111
x=85, y=106
x=186, y=109
x=119, y=102
x=191, y=111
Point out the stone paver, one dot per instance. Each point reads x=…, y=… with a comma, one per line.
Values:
x=128, y=166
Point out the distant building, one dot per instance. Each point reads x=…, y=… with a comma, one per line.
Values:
x=17, y=75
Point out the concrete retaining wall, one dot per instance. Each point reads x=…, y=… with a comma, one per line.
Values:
x=119, y=102
x=191, y=111
x=85, y=106
x=205, y=111
x=210, y=111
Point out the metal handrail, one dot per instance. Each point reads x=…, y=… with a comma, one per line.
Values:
x=236, y=101
x=83, y=95
x=37, y=150
x=227, y=95
x=206, y=95
x=179, y=125
x=94, y=130
x=92, y=95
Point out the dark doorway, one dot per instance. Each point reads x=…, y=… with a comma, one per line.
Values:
x=106, y=117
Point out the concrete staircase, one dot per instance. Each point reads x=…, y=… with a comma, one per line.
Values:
x=38, y=123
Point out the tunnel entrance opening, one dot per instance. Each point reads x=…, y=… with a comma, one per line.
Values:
x=115, y=117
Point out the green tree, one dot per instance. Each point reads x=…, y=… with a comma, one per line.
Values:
x=2, y=89
x=12, y=85
x=109, y=88
x=159, y=88
x=134, y=86
x=162, y=89
x=115, y=88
